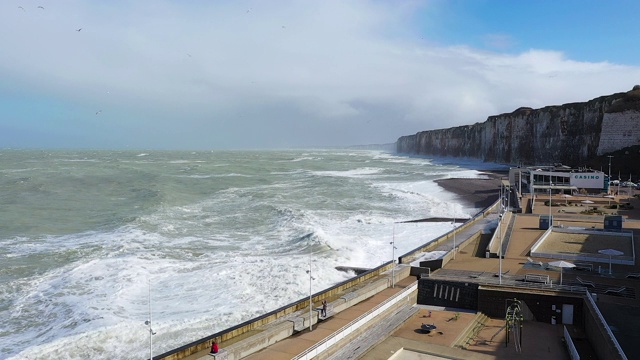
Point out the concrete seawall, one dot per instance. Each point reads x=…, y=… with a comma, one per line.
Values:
x=258, y=333
x=291, y=311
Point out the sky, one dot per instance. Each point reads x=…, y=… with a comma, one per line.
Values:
x=206, y=75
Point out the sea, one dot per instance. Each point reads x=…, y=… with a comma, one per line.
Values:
x=93, y=244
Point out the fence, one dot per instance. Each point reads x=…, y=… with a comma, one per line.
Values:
x=352, y=326
x=204, y=343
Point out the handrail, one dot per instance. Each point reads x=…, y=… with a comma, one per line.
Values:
x=512, y=283
x=434, y=242
x=300, y=302
x=346, y=329
x=606, y=326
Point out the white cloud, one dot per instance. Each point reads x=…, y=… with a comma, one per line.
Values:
x=304, y=73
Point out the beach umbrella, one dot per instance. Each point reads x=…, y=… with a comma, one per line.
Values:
x=610, y=252
x=609, y=197
x=587, y=201
x=562, y=264
x=566, y=196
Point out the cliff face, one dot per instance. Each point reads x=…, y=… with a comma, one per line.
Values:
x=571, y=134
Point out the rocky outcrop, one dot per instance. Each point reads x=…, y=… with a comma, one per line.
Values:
x=571, y=134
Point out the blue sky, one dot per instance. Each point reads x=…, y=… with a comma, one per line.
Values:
x=255, y=74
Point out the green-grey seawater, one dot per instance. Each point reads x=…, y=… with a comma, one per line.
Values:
x=219, y=237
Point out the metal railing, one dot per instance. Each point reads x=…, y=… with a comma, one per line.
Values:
x=510, y=282
x=349, y=328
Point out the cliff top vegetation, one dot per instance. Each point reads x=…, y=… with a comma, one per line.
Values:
x=629, y=101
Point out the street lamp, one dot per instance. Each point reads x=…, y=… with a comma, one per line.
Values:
x=148, y=323
x=310, y=293
x=393, y=257
x=310, y=298
x=609, y=156
x=550, y=221
x=500, y=249
x=454, y=236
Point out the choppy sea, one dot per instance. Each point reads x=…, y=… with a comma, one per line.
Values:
x=213, y=238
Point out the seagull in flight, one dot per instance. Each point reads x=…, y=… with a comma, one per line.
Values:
x=20, y=7
x=40, y=7
x=98, y=112
x=78, y=29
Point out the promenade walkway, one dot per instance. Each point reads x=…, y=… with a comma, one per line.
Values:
x=296, y=344
x=400, y=328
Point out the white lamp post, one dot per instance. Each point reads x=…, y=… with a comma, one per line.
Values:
x=609, y=156
x=550, y=221
x=148, y=322
x=500, y=235
x=500, y=249
x=310, y=298
x=454, y=237
x=393, y=257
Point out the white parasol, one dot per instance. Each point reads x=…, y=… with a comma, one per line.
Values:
x=562, y=264
x=610, y=252
x=609, y=197
x=586, y=202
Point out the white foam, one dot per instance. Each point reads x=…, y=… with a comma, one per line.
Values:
x=355, y=173
x=212, y=264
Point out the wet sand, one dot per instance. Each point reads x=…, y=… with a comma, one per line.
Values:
x=477, y=193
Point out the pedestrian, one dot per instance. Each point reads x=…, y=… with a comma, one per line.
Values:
x=324, y=308
x=214, y=347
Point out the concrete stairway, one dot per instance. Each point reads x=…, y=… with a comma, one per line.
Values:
x=462, y=341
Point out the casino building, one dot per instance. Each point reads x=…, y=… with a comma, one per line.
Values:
x=559, y=179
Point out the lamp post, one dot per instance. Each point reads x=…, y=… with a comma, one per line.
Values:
x=550, y=221
x=148, y=323
x=609, y=156
x=454, y=236
x=310, y=297
x=393, y=257
x=500, y=249
x=500, y=236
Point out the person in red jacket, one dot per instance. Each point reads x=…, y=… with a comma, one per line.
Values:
x=214, y=347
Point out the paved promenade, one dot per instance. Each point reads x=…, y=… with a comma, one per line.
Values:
x=399, y=335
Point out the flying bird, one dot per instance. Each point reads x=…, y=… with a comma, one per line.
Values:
x=98, y=112
x=20, y=7
x=78, y=29
x=40, y=7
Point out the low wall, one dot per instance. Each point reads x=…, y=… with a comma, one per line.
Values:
x=275, y=333
x=599, y=334
x=411, y=255
x=573, y=352
x=589, y=257
x=287, y=310
x=327, y=347
x=436, y=264
x=499, y=235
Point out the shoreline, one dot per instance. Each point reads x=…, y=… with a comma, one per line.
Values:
x=474, y=192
